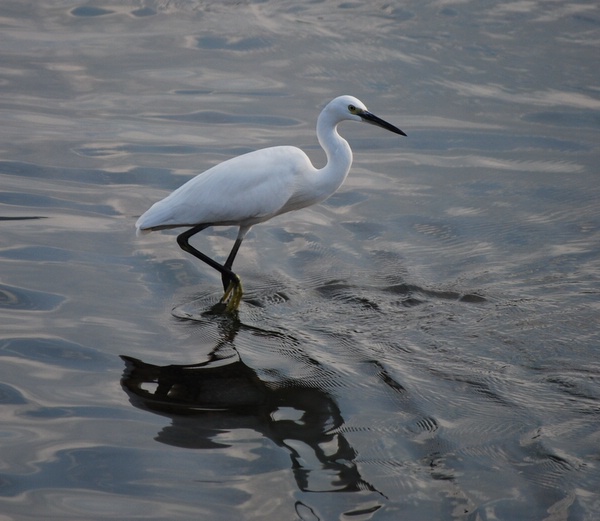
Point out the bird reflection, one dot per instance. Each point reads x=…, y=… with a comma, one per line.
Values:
x=224, y=394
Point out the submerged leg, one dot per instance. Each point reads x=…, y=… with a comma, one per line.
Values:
x=231, y=282
x=231, y=286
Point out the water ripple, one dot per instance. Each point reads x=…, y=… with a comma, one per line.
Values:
x=12, y=297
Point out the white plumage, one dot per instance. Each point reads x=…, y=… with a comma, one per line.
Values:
x=254, y=187
x=242, y=190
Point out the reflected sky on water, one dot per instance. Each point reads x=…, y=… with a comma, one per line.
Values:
x=420, y=346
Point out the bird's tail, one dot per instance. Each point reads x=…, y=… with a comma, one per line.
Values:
x=141, y=231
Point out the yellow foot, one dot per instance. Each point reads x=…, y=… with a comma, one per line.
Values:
x=233, y=295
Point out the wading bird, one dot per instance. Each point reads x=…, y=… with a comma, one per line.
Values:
x=254, y=187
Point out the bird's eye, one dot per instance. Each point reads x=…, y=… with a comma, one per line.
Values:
x=352, y=109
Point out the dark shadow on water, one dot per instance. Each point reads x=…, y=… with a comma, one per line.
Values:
x=24, y=218
x=223, y=394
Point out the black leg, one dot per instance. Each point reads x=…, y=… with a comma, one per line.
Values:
x=226, y=273
x=229, y=263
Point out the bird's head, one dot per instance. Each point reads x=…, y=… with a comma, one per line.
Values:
x=351, y=108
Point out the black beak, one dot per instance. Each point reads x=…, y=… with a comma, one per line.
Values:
x=367, y=117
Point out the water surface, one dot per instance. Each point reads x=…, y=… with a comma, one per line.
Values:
x=423, y=345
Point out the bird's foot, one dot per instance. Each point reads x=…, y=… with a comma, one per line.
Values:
x=233, y=295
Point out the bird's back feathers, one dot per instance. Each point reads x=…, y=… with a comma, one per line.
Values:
x=244, y=190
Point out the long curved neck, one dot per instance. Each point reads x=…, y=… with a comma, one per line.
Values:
x=339, y=155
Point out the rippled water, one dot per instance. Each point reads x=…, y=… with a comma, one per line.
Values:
x=424, y=345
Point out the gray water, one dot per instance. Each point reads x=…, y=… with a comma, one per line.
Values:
x=423, y=345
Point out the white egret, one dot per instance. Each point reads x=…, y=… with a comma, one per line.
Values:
x=254, y=187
